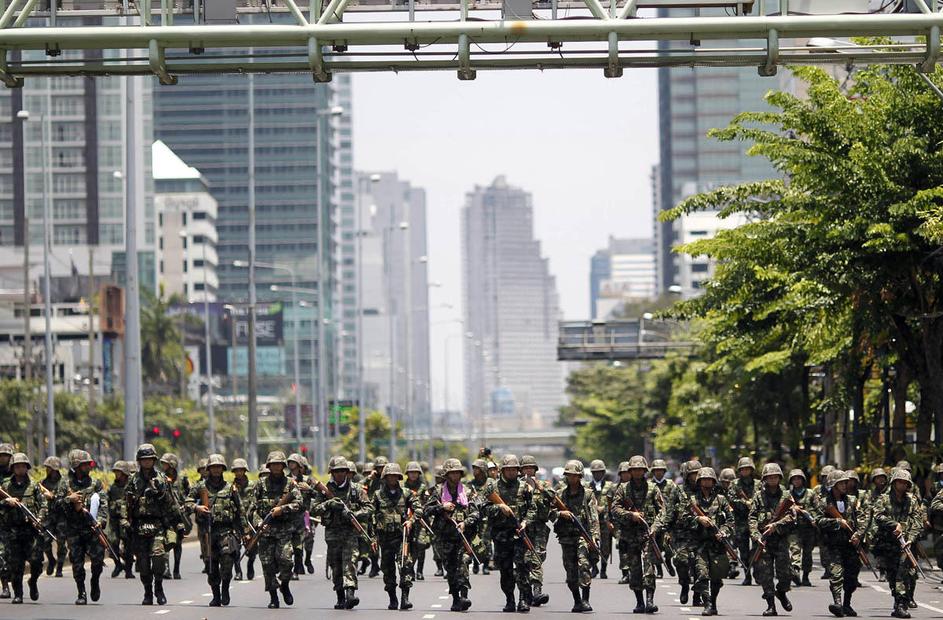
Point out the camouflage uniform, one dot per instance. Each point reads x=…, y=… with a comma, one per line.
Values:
x=54, y=521
x=509, y=545
x=447, y=537
x=78, y=517
x=310, y=523
x=775, y=563
x=270, y=495
x=935, y=516
x=538, y=531
x=244, y=487
x=225, y=525
x=148, y=502
x=421, y=538
x=576, y=559
x=178, y=530
x=682, y=537
x=803, y=536
x=634, y=499
x=888, y=512
x=21, y=544
x=843, y=563
x=371, y=484
x=711, y=564
x=666, y=489
x=118, y=536
x=302, y=518
x=740, y=497
x=603, y=490
x=6, y=454
x=483, y=485
x=394, y=516
x=334, y=504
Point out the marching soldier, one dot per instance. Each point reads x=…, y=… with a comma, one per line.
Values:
x=275, y=502
x=935, y=513
x=21, y=544
x=740, y=496
x=296, y=469
x=217, y=503
x=439, y=478
x=180, y=488
x=838, y=518
x=602, y=489
x=482, y=485
x=818, y=492
x=54, y=522
x=771, y=523
x=683, y=537
x=580, y=509
x=243, y=486
x=118, y=536
x=81, y=501
x=895, y=525
x=311, y=524
x=394, y=514
x=416, y=484
x=510, y=508
x=340, y=504
x=454, y=513
x=666, y=488
x=802, y=538
x=709, y=517
x=622, y=545
x=374, y=482
x=6, y=454
x=635, y=507
x=726, y=478
x=537, y=529
x=148, y=501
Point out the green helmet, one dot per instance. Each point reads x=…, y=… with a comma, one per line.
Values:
x=853, y=475
x=263, y=471
x=901, y=474
x=598, y=465
x=276, y=456
x=413, y=466
x=20, y=459
x=170, y=459
x=772, y=469
x=380, y=462
x=938, y=468
x=145, y=451
x=368, y=466
x=904, y=465
x=440, y=472
x=877, y=472
x=510, y=462
x=6, y=448
x=201, y=464
x=338, y=463
x=636, y=462
x=623, y=466
x=573, y=467
x=123, y=466
x=706, y=472
x=53, y=462
x=834, y=477
x=727, y=474
x=451, y=465
x=693, y=467
x=392, y=469
x=528, y=461
x=797, y=473
x=216, y=459
x=745, y=461
x=825, y=471
x=239, y=464
x=358, y=466
x=659, y=464
x=480, y=464
x=296, y=458
x=79, y=457
x=424, y=465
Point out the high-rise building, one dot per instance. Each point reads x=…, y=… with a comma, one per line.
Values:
x=599, y=272
x=624, y=271
x=394, y=298
x=512, y=377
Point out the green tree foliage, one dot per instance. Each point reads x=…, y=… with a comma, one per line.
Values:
x=162, y=353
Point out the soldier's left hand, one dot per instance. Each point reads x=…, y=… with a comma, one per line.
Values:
x=277, y=511
x=11, y=501
x=770, y=529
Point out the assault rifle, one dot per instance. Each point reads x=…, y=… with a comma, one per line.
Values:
x=324, y=490
x=205, y=500
x=96, y=529
x=496, y=499
x=778, y=514
x=576, y=521
x=728, y=547
x=648, y=530
x=467, y=545
x=263, y=527
x=831, y=511
x=406, y=538
x=907, y=551
x=32, y=518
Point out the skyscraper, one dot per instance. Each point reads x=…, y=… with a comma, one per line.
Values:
x=624, y=271
x=512, y=377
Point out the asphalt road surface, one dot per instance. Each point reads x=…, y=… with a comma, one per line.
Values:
x=188, y=598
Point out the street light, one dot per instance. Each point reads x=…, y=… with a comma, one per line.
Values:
x=210, y=412
x=47, y=287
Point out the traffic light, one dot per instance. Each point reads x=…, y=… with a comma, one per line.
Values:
x=175, y=435
x=304, y=450
x=152, y=433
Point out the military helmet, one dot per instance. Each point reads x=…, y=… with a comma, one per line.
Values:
x=510, y=462
x=480, y=464
x=338, y=463
x=745, y=461
x=451, y=465
x=424, y=465
x=853, y=475
x=380, y=462
x=877, y=471
x=263, y=470
x=492, y=465
x=53, y=462
x=597, y=465
x=123, y=466
x=6, y=448
x=825, y=471
x=358, y=466
x=528, y=461
x=904, y=465
x=938, y=468
x=797, y=473
x=573, y=467
x=368, y=466
x=20, y=458
x=170, y=459
x=706, y=472
x=772, y=469
x=693, y=467
x=623, y=466
x=834, y=477
x=216, y=459
x=439, y=472
x=392, y=469
x=728, y=474
x=276, y=456
x=901, y=474
x=294, y=456
x=239, y=464
x=659, y=464
x=413, y=466
x=637, y=462
x=78, y=457
x=133, y=466
x=145, y=451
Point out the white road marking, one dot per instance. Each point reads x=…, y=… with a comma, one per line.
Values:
x=443, y=598
x=694, y=619
x=685, y=609
x=161, y=612
x=436, y=606
x=428, y=617
x=186, y=602
x=208, y=594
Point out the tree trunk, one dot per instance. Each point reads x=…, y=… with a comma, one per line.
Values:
x=899, y=390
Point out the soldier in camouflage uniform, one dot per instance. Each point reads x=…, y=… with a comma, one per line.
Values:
x=117, y=536
x=439, y=477
x=275, y=502
x=802, y=539
x=421, y=539
x=54, y=521
x=21, y=544
x=818, y=491
x=222, y=513
x=934, y=515
x=682, y=537
x=296, y=470
x=180, y=488
x=149, y=500
x=725, y=478
x=373, y=482
x=483, y=485
x=81, y=500
x=243, y=486
x=772, y=529
x=537, y=529
x=740, y=496
x=838, y=544
x=394, y=515
x=711, y=564
x=666, y=486
x=508, y=519
x=603, y=489
x=334, y=503
x=635, y=508
x=453, y=509
x=6, y=454
x=623, y=548
x=580, y=504
x=896, y=520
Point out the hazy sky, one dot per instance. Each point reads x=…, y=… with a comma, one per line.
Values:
x=582, y=144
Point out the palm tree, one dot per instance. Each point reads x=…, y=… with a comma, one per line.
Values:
x=162, y=355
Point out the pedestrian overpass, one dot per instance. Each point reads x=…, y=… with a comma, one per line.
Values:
x=619, y=340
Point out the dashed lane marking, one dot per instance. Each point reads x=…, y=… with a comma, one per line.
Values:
x=428, y=617
x=161, y=612
x=436, y=606
x=444, y=598
x=685, y=609
x=186, y=602
x=208, y=594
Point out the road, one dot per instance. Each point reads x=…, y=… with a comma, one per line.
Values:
x=187, y=598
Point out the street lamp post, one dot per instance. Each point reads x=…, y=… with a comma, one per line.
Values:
x=361, y=382
x=210, y=411
x=253, y=379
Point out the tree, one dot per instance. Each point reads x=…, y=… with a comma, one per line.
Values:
x=376, y=432
x=162, y=353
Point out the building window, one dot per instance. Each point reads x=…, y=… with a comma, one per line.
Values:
x=184, y=266
x=199, y=215
x=198, y=286
x=699, y=268
x=198, y=262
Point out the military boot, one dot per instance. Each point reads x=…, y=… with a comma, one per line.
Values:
x=659, y=571
x=835, y=608
x=273, y=599
x=475, y=567
x=650, y=606
x=911, y=603
x=224, y=593
x=250, y=568
x=578, y=605
x=747, y=579
x=486, y=568
x=639, y=603
x=82, y=598
x=286, y=593
x=178, y=552
x=95, y=591
x=805, y=579
x=5, y=589
x=523, y=600
x=696, y=599
x=585, y=592
x=127, y=571
x=364, y=565
x=420, y=563
x=299, y=562
x=538, y=596
x=215, y=601
x=50, y=561
x=602, y=571
x=394, y=604
x=148, y=592
x=374, y=568
x=463, y=599
x=17, y=591
x=846, y=606
x=308, y=565
x=710, y=601
x=341, y=599
x=33, y=584
x=59, y=567
x=119, y=567
x=456, y=601
x=238, y=570
x=159, y=597
x=784, y=600
x=509, y=605
x=625, y=578
x=404, y=599
x=351, y=597
x=770, y=606
x=438, y=569
x=900, y=607
x=684, y=593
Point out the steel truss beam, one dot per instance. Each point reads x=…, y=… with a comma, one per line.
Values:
x=608, y=41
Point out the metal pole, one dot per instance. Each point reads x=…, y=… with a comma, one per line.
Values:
x=389, y=303
x=314, y=388
x=210, y=411
x=27, y=301
x=408, y=261
x=361, y=398
x=322, y=367
x=91, y=331
x=253, y=411
x=47, y=288
x=294, y=307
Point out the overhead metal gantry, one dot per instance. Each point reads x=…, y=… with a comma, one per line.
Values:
x=108, y=37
